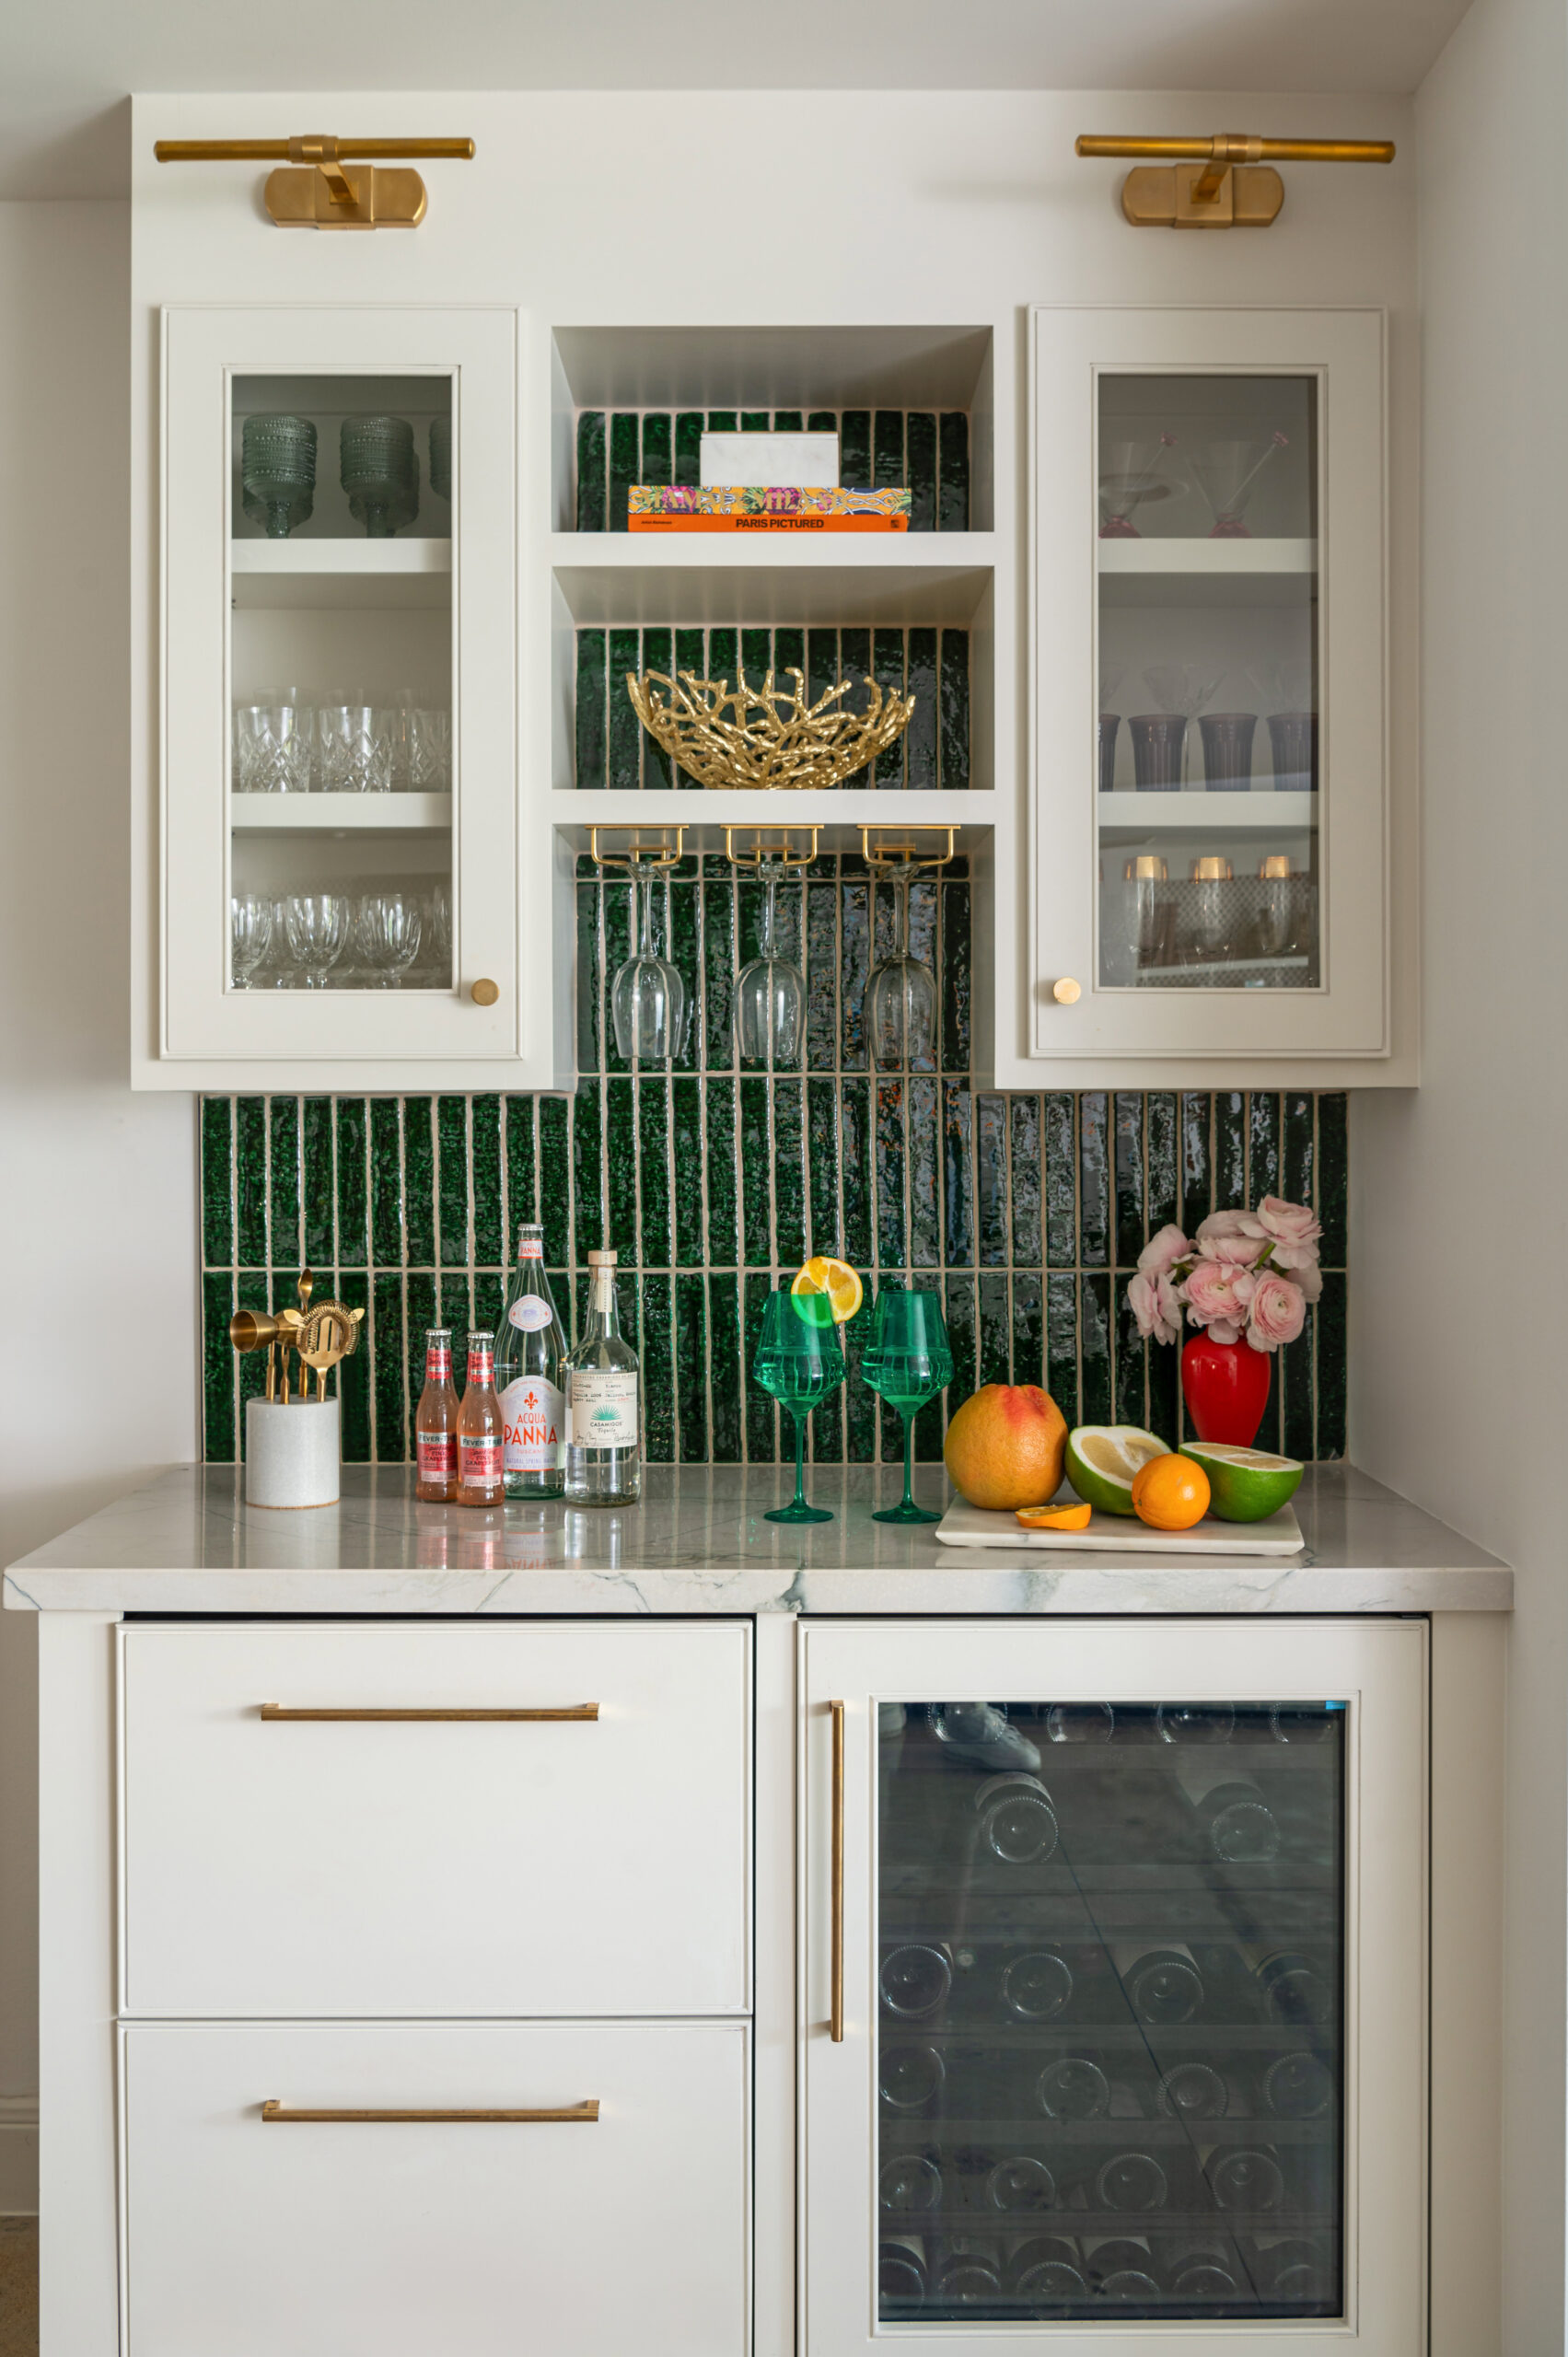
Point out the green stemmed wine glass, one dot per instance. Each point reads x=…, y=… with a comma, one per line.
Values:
x=798, y=1362
x=909, y=1360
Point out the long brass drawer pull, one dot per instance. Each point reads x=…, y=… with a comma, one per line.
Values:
x=273, y=2112
x=577, y=1711
x=836, y=2024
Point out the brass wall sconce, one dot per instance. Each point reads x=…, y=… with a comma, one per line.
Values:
x=323, y=193
x=1228, y=183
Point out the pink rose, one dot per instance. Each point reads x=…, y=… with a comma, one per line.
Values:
x=1278, y=1312
x=1292, y=1230
x=1162, y=1250
x=1157, y=1305
x=1227, y=1224
x=1217, y=1295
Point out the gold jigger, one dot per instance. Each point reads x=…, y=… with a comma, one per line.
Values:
x=320, y=1337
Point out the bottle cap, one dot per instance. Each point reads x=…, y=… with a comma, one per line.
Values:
x=1211, y=869
x=1148, y=863
x=601, y=1259
x=530, y=1227
x=1275, y=863
x=437, y=1336
x=485, y=1341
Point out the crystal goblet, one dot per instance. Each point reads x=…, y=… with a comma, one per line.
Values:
x=277, y=473
x=387, y=932
x=380, y=470
x=797, y=1364
x=318, y=926
x=251, y=923
x=770, y=996
x=648, y=996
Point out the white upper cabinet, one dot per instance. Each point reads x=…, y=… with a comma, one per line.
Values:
x=338, y=729
x=1208, y=797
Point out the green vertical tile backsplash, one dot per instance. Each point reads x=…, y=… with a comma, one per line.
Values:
x=1027, y=1211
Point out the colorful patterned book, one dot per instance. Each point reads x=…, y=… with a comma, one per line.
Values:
x=778, y=507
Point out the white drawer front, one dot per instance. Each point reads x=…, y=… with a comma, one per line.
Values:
x=447, y=1867
x=401, y=2238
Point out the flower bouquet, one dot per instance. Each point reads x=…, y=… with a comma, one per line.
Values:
x=1245, y=1279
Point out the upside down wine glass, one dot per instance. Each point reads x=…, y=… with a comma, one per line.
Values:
x=798, y=1362
x=909, y=1360
x=647, y=995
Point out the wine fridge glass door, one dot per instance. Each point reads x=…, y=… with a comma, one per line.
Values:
x=1110, y=1994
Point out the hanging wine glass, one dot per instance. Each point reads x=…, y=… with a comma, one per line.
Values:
x=769, y=994
x=647, y=995
x=902, y=998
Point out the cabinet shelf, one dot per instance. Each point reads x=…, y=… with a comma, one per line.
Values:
x=1207, y=557
x=843, y=812
x=340, y=573
x=608, y=577
x=1126, y=815
x=310, y=813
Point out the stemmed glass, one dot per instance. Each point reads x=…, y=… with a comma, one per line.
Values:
x=909, y=1360
x=770, y=995
x=251, y=920
x=317, y=928
x=389, y=934
x=901, y=999
x=380, y=470
x=277, y=473
x=1225, y=472
x=647, y=996
x=798, y=1362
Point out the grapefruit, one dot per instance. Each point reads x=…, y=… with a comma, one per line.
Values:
x=1171, y=1492
x=1246, y=1483
x=1102, y=1459
x=1004, y=1446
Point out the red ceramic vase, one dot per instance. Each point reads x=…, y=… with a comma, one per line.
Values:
x=1225, y=1386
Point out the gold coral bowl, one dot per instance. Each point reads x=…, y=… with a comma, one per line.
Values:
x=765, y=739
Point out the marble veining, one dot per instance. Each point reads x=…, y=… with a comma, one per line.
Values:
x=698, y=1543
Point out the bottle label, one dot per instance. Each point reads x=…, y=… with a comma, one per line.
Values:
x=531, y=1312
x=437, y=1366
x=533, y=1413
x=437, y=1455
x=531, y=1249
x=604, y=1408
x=479, y=1460
x=482, y=1368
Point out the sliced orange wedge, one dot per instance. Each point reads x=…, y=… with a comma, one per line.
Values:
x=827, y=1291
x=1053, y=1517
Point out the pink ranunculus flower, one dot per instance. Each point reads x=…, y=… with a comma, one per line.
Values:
x=1154, y=1303
x=1227, y=1223
x=1277, y=1313
x=1235, y=1251
x=1309, y=1277
x=1217, y=1295
x=1292, y=1225
x=1162, y=1250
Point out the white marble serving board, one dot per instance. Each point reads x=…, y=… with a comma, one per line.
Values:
x=1279, y=1534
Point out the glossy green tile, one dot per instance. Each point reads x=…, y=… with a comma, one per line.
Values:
x=1197, y=1167
x=922, y=1150
x=756, y=655
x=1230, y=1150
x=787, y=421
x=250, y=1180
x=721, y=421
x=420, y=1205
x=854, y=974
x=888, y=450
x=657, y=1350
x=963, y=1338
x=992, y=1222
x=217, y=1182
x=1062, y=1344
x=920, y=738
x=386, y=1182
x=253, y=1290
x=1297, y=1153
x=219, y=1362
x=821, y=663
x=618, y=917
x=1295, y=1378
x=1028, y=1326
x=958, y=1174
x=920, y=437
x=1025, y=1160
x=1262, y=1146
x=1164, y=1146
x=658, y=455
x=718, y=973
x=724, y=1176
x=388, y=1365
x=955, y=974
x=1333, y=1404
x=891, y=1243
x=1130, y=1356
x=887, y=670
x=351, y=1123
x=687, y=447
x=687, y=1161
x=860, y=1410
x=593, y=709
x=1127, y=1116
x=318, y=1193
x=522, y=1168
x=1164, y=1370
x=1334, y=1178
x=856, y=1171
x=854, y=666
x=755, y=421
x=854, y=449
x=764, y=1441
x=995, y=1327
x=953, y=473
x=692, y=1367
x=821, y=970
x=1094, y=1178
x=756, y=1167
x=823, y=421
x=452, y=1150
x=1060, y=1179
x=620, y=1170
x=623, y=440
x=625, y=773
x=587, y=1171
x=419, y=1316
x=685, y=946
x=723, y=1367
x=490, y=1247
x=1094, y=1350
x=592, y=506
x=555, y=1177
x=789, y=1173
x=352, y=1377
x=655, y=1247
x=953, y=711
x=657, y=655
x=822, y=1156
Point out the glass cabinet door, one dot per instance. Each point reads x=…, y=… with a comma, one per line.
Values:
x=1113, y=2004
x=339, y=713
x=1207, y=804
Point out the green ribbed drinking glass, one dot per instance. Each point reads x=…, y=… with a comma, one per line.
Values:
x=380, y=473
x=277, y=471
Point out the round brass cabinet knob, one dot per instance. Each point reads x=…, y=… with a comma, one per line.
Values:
x=486, y=993
x=1066, y=993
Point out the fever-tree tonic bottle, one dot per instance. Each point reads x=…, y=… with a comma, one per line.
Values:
x=604, y=1451
x=529, y=1350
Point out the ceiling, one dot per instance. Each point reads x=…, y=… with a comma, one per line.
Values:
x=65, y=68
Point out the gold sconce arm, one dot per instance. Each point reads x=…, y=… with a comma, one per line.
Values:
x=325, y=195
x=1224, y=183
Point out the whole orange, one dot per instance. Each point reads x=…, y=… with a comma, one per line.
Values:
x=1171, y=1492
x=1006, y=1447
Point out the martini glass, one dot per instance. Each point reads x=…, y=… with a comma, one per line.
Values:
x=1226, y=472
x=1131, y=477
x=909, y=1360
x=798, y=1362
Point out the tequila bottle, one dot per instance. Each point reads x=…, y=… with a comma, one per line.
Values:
x=604, y=1425
x=529, y=1349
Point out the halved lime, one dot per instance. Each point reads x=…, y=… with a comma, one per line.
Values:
x=1245, y=1484
x=1102, y=1459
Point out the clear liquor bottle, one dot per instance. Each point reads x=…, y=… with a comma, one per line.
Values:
x=529, y=1350
x=604, y=1424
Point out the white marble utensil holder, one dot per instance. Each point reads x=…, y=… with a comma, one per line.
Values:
x=292, y=1453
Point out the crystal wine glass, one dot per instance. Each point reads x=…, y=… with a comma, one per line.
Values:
x=770, y=995
x=901, y=997
x=277, y=473
x=318, y=926
x=647, y=995
x=389, y=934
x=250, y=915
x=799, y=1363
x=908, y=1360
x=380, y=470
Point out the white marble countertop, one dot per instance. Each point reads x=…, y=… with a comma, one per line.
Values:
x=186, y=1542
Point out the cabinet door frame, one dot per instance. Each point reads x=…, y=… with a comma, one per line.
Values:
x=1345, y=353
x=1378, y=1667
x=202, y=1021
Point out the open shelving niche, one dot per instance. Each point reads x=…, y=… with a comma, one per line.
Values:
x=938, y=580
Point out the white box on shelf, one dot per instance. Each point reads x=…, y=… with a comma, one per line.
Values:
x=800, y=459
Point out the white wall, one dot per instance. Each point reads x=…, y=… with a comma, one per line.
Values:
x=1458, y=1391
x=97, y=1188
